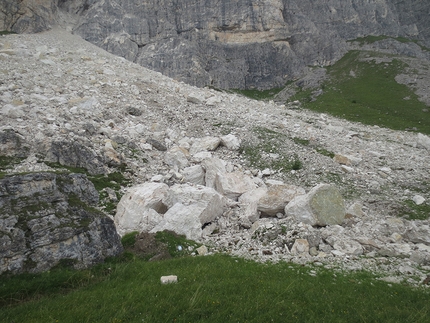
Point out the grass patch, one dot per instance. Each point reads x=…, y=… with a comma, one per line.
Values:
x=177, y=245
x=7, y=163
x=259, y=94
x=325, y=152
x=6, y=32
x=370, y=39
x=214, y=288
x=369, y=95
x=412, y=211
x=266, y=151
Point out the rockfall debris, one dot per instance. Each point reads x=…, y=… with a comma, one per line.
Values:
x=250, y=178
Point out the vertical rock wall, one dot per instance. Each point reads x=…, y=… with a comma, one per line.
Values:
x=225, y=44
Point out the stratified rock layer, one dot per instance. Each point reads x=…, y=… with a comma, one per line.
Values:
x=47, y=219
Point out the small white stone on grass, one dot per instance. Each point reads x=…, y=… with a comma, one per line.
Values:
x=202, y=250
x=418, y=199
x=169, y=279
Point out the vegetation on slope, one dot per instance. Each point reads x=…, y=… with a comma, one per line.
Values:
x=216, y=288
x=364, y=90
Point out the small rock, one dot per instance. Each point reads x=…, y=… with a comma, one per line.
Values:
x=156, y=144
x=418, y=199
x=169, y=279
x=300, y=246
x=231, y=142
x=202, y=250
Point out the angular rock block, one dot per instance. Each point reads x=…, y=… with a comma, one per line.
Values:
x=322, y=206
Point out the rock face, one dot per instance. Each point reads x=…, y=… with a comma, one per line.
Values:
x=48, y=218
x=225, y=44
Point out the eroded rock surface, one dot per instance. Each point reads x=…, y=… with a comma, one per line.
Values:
x=49, y=218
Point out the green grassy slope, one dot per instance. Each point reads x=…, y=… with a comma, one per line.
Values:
x=366, y=91
x=215, y=288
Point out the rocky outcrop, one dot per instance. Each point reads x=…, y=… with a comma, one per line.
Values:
x=28, y=16
x=48, y=219
x=225, y=44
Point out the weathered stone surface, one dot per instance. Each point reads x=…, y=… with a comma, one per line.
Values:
x=202, y=250
x=355, y=210
x=184, y=219
x=47, y=218
x=74, y=154
x=205, y=144
x=423, y=141
x=233, y=185
x=140, y=208
x=348, y=247
x=249, y=206
x=300, y=247
x=213, y=204
x=212, y=167
x=28, y=16
x=12, y=144
x=194, y=175
x=176, y=157
x=277, y=198
x=322, y=206
x=418, y=199
x=196, y=98
x=231, y=142
x=346, y=160
x=417, y=232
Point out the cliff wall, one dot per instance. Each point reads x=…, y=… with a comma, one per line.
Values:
x=225, y=44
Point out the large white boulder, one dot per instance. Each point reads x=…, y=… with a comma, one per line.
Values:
x=140, y=208
x=277, y=197
x=183, y=219
x=176, y=157
x=213, y=203
x=233, y=185
x=205, y=144
x=423, y=141
x=231, y=142
x=322, y=206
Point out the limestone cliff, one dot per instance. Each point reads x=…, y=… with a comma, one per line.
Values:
x=226, y=44
x=48, y=218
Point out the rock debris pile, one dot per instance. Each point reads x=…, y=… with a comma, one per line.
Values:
x=66, y=102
